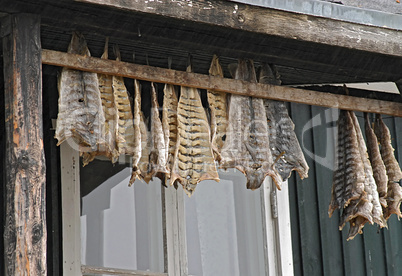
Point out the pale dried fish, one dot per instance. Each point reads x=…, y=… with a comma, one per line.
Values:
x=109, y=148
x=246, y=146
x=144, y=164
x=158, y=152
x=193, y=159
x=369, y=183
x=285, y=147
x=80, y=114
x=125, y=126
x=218, y=105
x=137, y=133
x=394, y=173
x=169, y=123
x=379, y=170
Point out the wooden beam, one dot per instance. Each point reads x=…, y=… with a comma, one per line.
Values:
x=270, y=22
x=25, y=173
x=90, y=270
x=274, y=92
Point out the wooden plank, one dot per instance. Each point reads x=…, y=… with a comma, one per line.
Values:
x=274, y=92
x=25, y=175
x=270, y=22
x=284, y=232
x=175, y=232
x=71, y=201
x=311, y=258
x=90, y=270
x=323, y=134
x=270, y=234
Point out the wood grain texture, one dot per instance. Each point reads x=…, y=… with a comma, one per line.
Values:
x=239, y=87
x=90, y=270
x=271, y=22
x=25, y=175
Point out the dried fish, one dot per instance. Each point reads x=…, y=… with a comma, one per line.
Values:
x=193, y=159
x=169, y=123
x=285, y=147
x=218, y=104
x=109, y=148
x=125, y=126
x=144, y=164
x=369, y=183
x=246, y=146
x=158, y=154
x=349, y=176
x=379, y=171
x=394, y=173
x=80, y=108
x=367, y=207
x=137, y=133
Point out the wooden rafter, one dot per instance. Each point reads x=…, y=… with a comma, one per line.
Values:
x=270, y=22
x=274, y=92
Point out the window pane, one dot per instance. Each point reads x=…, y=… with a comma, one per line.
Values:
x=224, y=228
x=121, y=226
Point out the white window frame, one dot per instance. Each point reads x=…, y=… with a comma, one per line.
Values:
x=275, y=218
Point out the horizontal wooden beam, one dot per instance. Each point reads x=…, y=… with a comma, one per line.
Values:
x=266, y=91
x=90, y=270
x=271, y=22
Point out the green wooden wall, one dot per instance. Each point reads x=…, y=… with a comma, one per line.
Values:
x=319, y=248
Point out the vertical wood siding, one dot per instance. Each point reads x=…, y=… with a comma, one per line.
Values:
x=319, y=248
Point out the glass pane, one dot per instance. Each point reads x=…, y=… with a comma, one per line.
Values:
x=224, y=228
x=121, y=226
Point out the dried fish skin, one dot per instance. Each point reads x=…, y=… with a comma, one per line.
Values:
x=349, y=176
x=356, y=226
x=169, y=123
x=394, y=193
x=144, y=166
x=80, y=108
x=379, y=170
x=193, y=158
x=218, y=105
x=369, y=183
x=158, y=153
x=136, y=172
x=125, y=126
x=109, y=148
x=247, y=146
x=387, y=151
x=394, y=198
x=285, y=148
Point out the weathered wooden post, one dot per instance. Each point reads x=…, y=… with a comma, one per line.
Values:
x=25, y=223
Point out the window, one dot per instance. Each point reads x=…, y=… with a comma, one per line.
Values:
x=223, y=229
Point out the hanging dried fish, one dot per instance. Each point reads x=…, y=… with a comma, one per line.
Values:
x=138, y=122
x=394, y=173
x=158, y=154
x=193, y=159
x=125, y=126
x=218, y=104
x=379, y=171
x=246, y=146
x=285, y=147
x=109, y=148
x=169, y=123
x=144, y=164
x=371, y=199
x=348, y=180
x=80, y=108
